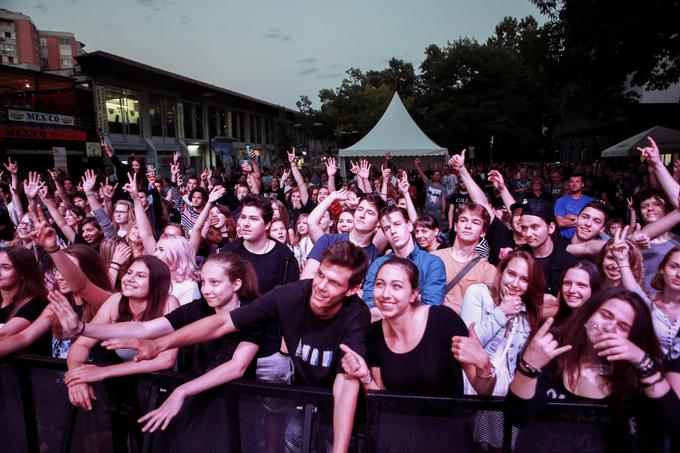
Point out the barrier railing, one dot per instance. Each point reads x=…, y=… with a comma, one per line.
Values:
x=251, y=417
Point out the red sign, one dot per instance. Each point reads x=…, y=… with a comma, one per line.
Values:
x=35, y=133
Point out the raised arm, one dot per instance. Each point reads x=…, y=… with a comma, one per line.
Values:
x=314, y=218
x=386, y=177
x=477, y=195
x=177, y=201
x=299, y=180
x=45, y=237
x=89, y=181
x=68, y=232
x=665, y=223
x=331, y=171
x=143, y=223
x=663, y=176
x=257, y=174
x=13, y=170
x=404, y=187
x=425, y=179
x=196, y=231
x=364, y=173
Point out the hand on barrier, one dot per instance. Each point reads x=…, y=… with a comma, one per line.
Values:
x=163, y=415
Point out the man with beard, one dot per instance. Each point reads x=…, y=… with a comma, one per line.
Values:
x=567, y=207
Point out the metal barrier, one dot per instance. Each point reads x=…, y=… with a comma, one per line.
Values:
x=252, y=417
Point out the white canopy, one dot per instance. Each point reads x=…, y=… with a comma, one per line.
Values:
x=396, y=133
x=667, y=139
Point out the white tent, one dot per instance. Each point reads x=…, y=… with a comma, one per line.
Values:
x=396, y=133
x=667, y=139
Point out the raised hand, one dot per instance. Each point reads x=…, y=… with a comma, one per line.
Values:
x=417, y=161
x=619, y=248
x=353, y=364
x=89, y=180
x=615, y=347
x=107, y=148
x=205, y=174
x=642, y=240
x=106, y=191
x=468, y=350
x=176, y=157
x=161, y=417
x=543, y=347
x=251, y=154
x=386, y=173
x=32, y=184
x=53, y=174
x=457, y=161
x=497, y=180
x=43, y=235
x=146, y=349
x=651, y=152
x=61, y=307
x=291, y=155
x=629, y=203
x=11, y=167
x=174, y=169
x=331, y=167
x=284, y=177
x=131, y=187
x=404, y=185
x=122, y=253
x=364, y=169
x=216, y=193
x=340, y=195
x=354, y=167
x=151, y=174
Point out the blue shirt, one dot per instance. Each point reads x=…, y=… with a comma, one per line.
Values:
x=566, y=205
x=432, y=277
x=327, y=240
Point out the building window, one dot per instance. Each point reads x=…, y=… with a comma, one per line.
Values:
x=65, y=41
x=198, y=112
x=241, y=127
x=156, y=114
x=162, y=113
x=212, y=121
x=43, y=63
x=122, y=110
x=43, y=42
x=255, y=135
x=186, y=117
x=224, y=128
x=7, y=34
x=10, y=60
x=66, y=62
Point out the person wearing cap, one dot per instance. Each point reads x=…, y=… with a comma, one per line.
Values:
x=568, y=206
x=550, y=251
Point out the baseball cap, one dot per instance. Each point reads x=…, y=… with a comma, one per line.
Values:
x=539, y=208
x=520, y=203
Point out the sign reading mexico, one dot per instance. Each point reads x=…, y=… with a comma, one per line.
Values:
x=34, y=133
x=28, y=116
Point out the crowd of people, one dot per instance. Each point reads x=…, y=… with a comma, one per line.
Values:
x=531, y=281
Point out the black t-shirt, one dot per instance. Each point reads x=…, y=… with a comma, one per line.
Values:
x=457, y=199
x=429, y=368
x=498, y=236
x=202, y=357
x=30, y=311
x=553, y=265
x=276, y=267
x=314, y=343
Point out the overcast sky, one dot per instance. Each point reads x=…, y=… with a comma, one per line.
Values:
x=275, y=50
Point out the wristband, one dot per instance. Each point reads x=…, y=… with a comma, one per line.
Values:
x=527, y=370
x=81, y=330
x=89, y=193
x=370, y=379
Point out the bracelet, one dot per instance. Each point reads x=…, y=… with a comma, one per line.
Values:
x=117, y=264
x=646, y=368
x=55, y=249
x=89, y=193
x=645, y=385
x=492, y=373
x=81, y=330
x=527, y=370
x=370, y=379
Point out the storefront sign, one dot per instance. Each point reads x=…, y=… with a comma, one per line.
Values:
x=28, y=116
x=60, y=163
x=31, y=133
x=93, y=149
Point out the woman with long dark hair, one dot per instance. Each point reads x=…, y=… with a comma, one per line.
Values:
x=607, y=353
x=23, y=295
x=91, y=265
x=581, y=280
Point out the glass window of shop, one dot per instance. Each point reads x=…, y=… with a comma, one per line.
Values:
x=212, y=121
x=255, y=135
x=241, y=127
x=268, y=130
x=224, y=128
x=122, y=110
x=170, y=109
x=198, y=112
x=156, y=114
x=185, y=117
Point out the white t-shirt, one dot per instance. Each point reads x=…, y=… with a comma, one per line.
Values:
x=185, y=292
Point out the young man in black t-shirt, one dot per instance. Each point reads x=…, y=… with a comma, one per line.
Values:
x=315, y=317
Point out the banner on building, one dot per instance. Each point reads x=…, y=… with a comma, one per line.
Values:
x=29, y=116
x=34, y=133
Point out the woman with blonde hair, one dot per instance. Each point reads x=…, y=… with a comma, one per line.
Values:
x=116, y=255
x=176, y=252
x=123, y=217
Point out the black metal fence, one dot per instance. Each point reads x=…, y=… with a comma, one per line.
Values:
x=36, y=416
